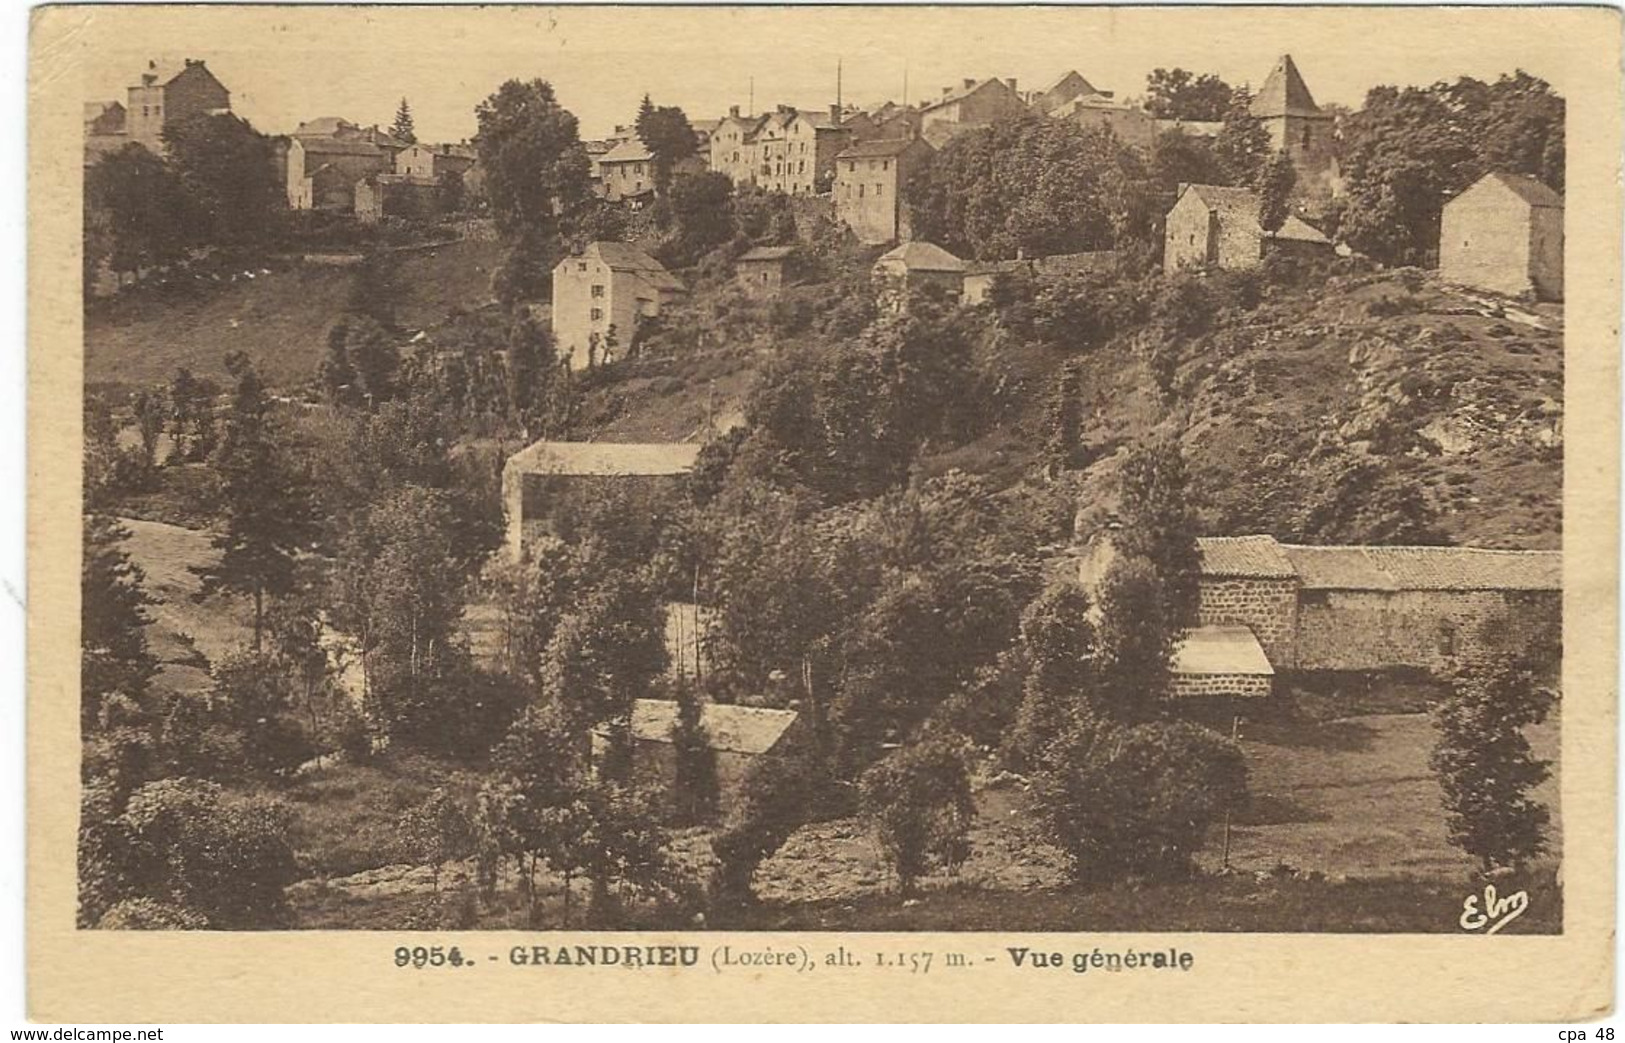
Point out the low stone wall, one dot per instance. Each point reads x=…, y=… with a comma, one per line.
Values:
x=1195, y=686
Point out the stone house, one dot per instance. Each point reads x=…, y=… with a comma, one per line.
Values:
x=1070, y=87
x=733, y=147
x=980, y=277
x=600, y=297
x=321, y=172
x=1504, y=234
x=1299, y=127
x=914, y=267
x=760, y=271
x=796, y=149
x=627, y=171
x=868, y=190
x=1358, y=608
x=416, y=160
x=740, y=736
x=596, y=151
x=971, y=105
x=169, y=94
x=407, y=196
x=1215, y=227
x=534, y=478
x=1131, y=124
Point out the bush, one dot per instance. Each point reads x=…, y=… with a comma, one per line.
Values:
x=777, y=794
x=918, y=802
x=1138, y=800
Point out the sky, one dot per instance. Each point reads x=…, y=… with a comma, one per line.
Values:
x=287, y=64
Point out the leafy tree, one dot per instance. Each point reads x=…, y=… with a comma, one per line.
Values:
x=1058, y=646
x=337, y=374
x=695, y=782
x=255, y=700
x=1275, y=184
x=265, y=517
x=1137, y=800
x=702, y=217
x=776, y=797
x=402, y=127
x=1243, y=144
x=669, y=137
x=371, y=356
x=918, y=802
x=191, y=420
x=1183, y=95
x=151, y=414
x=1065, y=421
x=226, y=166
x=1159, y=525
x=113, y=655
x=530, y=149
x=226, y=859
x=1135, y=641
x=374, y=292
x=145, y=207
x=1484, y=762
x=452, y=194
x=1179, y=158
x=533, y=371
x=439, y=830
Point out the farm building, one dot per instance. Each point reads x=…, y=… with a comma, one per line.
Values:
x=534, y=478
x=739, y=735
x=1221, y=662
x=1504, y=234
x=917, y=266
x=760, y=272
x=1354, y=608
x=1212, y=226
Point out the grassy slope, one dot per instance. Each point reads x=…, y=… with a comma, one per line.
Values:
x=182, y=628
x=280, y=318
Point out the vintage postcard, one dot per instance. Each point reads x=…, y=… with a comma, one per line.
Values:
x=951, y=513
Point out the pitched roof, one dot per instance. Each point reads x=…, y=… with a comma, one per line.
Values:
x=1072, y=106
x=97, y=109
x=877, y=148
x=324, y=126
x=1381, y=568
x=629, y=151
x=605, y=459
x=1252, y=557
x=1229, y=202
x=965, y=90
x=1284, y=93
x=767, y=253
x=328, y=146
x=1527, y=188
x=1296, y=229
x=624, y=257
x=920, y=256
x=1220, y=650
x=729, y=728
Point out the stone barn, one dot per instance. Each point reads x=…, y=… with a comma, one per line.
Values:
x=534, y=478
x=1215, y=227
x=1223, y=662
x=1504, y=234
x=739, y=735
x=916, y=266
x=760, y=272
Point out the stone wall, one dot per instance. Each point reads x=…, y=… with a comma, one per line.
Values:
x=1248, y=686
x=1268, y=607
x=1431, y=630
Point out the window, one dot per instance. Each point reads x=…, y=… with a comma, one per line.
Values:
x=598, y=315
x=885, y=164
x=880, y=190
x=597, y=290
x=860, y=191
x=1447, y=640
x=582, y=266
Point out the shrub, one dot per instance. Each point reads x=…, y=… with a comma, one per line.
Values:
x=1137, y=800
x=777, y=794
x=918, y=802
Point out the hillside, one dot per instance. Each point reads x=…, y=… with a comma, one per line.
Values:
x=278, y=317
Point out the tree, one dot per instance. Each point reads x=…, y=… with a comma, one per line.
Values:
x=144, y=206
x=1179, y=158
x=702, y=217
x=1135, y=641
x=776, y=796
x=337, y=374
x=266, y=520
x=918, y=803
x=1058, y=646
x=1484, y=762
x=113, y=655
x=151, y=412
x=530, y=149
x=1243, y=143
x=1137, y=800
x=1275, y=183
x=1182, y=95
x=533, y=370
x=253, y=697
x=439, y=830
x=695, y=782
x=191, y=419
x=1159, y=525
x=669, y=137
x=402, y=127
x=227, y=168
x=1065, y=421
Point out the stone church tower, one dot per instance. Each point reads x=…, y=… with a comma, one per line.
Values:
x=1296, y=124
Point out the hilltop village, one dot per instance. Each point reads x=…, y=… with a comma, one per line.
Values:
x=959, y=513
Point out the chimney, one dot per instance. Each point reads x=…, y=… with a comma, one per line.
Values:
x=835, y=113
x=969, y=83
x=1011, y=83
x=947, y=91
x=733, y=111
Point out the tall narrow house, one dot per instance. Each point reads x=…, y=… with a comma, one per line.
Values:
x=1299, y=127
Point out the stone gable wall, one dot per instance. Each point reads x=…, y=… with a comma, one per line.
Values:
x=1268, y=607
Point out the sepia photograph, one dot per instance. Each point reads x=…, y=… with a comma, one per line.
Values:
x=826, y=470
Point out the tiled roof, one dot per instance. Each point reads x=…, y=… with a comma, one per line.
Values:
x=919, y=256
x=728, y=728
x=767, y=253
x=1295, y=229
x=1284, y=93
x=1252, y=557
x=1237, y=202
x=631, y=151
x=1220, y=650
x=324, y=126
x=339, y=146
x=1422, y=568
x=876, y=148
x=1336, y=568
x=1528, y=189
x=962, y=91
x=606, y=459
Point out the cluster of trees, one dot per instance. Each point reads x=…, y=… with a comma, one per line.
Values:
x=215, y=186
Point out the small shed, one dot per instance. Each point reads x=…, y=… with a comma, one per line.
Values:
x=1504, y=234
x=740, y=736
x=1225, y=661
x=760, y=272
